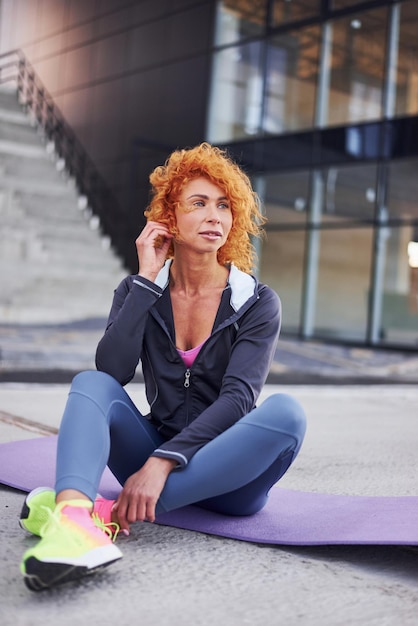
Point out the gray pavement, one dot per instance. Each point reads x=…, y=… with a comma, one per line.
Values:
x=55, y=352
x=360, y=440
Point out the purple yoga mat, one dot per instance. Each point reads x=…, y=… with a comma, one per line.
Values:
x=289, y=518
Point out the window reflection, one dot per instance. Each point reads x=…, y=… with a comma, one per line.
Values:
x=236, y=98
x=286, y=198
x=407, y=69
x=357, y=67
x=349, y=193
x=281, y=267
x=399, y=319
x=292, y=70
x=403, y=190
x=286, y=11
x=237, y=19
x=343, y=283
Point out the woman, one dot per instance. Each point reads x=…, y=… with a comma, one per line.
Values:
x=205, y=331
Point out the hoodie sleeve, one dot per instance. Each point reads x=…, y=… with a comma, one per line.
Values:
x=120, y=348
x=251, y=357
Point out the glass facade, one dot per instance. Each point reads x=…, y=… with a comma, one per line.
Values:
x=406, y=71
x=400, y=286
x=291, y=78
x=236, y=97
x=357, y=56
x=344, y=265
x=284, y=11
x=238, y=19
x=319, y=100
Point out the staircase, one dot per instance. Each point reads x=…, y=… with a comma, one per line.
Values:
x=55, y=267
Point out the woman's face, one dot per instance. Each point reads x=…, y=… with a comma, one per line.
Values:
x=204, y=216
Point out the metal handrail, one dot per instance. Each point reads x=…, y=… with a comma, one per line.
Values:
x=37, y=101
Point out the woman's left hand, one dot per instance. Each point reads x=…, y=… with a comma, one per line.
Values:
x=139, y=496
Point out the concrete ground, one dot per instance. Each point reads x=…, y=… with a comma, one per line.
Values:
x=360, y=440
x=55, y=352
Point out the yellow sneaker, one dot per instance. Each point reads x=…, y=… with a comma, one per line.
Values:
x=72, y=546
x=35, y=514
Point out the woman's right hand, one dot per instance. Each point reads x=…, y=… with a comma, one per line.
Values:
x=140, y=493
x=152, y=246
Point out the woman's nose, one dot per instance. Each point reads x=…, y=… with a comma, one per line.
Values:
x=213, y=214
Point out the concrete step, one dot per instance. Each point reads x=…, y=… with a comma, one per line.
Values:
x=9, y=100
x=29, y=168
x=37, y=185
x=55, y=266
x=19, y=133
x=13, y=116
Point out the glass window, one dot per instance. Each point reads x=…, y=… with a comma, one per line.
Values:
x=349, y=193
x=281, y=267
x=285, y=200
x=237, y=93
x=237, y=19
x=403, y=190
x=344, y=267
x=399, y=303
x=286, y=197
x=357, y=67
x=340, y=251
x=293, y=10
x=292, y=70
x=407, y=69
x=399, y=316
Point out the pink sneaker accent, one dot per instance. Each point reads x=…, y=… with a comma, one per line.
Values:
x=103, y=509
x=78, y=512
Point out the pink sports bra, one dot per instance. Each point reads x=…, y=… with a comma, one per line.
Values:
x=189, y=356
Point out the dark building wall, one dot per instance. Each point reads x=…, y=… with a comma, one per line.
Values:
x=127, y=76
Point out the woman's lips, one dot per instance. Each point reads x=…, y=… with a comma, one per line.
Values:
x=211, y=234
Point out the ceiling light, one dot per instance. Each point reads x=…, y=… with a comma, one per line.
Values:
x=299, y=204
x=413, y=254
x=370, y=194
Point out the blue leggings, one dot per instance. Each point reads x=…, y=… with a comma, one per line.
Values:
x=231, y=474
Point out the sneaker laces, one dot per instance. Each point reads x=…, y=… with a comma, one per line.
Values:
x=110, y=528
x=53, y=523
x=52, y=520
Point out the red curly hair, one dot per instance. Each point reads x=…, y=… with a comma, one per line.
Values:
x=167, y=182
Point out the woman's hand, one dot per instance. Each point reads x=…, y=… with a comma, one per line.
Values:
x=139, y=496
x=152, y=246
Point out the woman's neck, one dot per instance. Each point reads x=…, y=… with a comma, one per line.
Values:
x=192, y=276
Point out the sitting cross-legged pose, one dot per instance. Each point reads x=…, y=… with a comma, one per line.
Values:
x=205, y=331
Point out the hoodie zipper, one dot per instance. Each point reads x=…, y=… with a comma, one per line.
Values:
x=186, y=385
